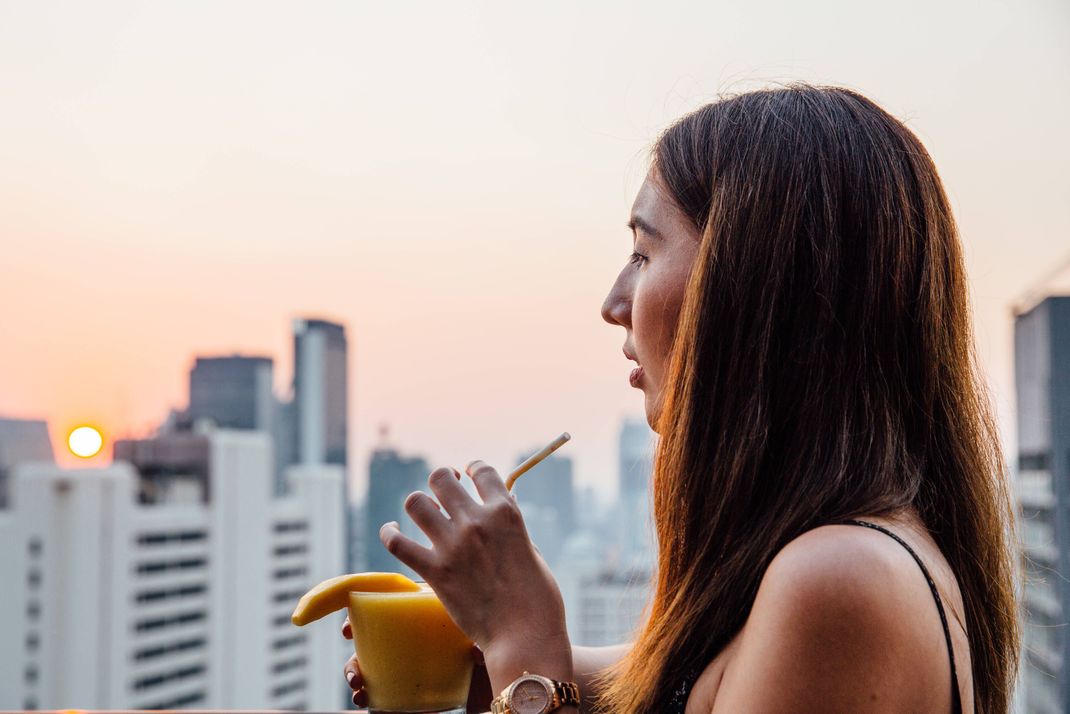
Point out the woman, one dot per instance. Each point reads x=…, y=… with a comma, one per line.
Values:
x=796, y=302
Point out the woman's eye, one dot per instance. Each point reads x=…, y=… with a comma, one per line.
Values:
x=637, y=259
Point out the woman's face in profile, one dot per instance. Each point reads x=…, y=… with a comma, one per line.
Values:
x=645, y=299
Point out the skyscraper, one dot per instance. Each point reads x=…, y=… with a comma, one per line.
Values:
x=320, y=391
x=635, y=529
x=285, y=437
x=21, y=440
x=233, y=392
x=635, y=451
x=547, y=500
x=318, y=415
x=1042, y=376
x=391, y=478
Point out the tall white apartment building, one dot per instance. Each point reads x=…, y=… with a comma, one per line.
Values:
x=605, y=602
x=167, y=579
x=607, y=607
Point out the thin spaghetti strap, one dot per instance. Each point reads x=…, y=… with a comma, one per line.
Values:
x=956, y=700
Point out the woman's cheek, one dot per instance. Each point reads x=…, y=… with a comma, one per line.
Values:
x=647, y=324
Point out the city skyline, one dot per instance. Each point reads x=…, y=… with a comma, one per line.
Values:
x=166, y=580
x=448, y=189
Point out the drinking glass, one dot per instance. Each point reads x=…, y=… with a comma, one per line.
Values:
x=413, y=658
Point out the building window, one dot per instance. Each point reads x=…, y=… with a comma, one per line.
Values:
x=291, y=527
x=148, y=653
x=161, y=566
x=34, y=547
x=171, y=593
x=286, y=642
x=195, y=536
x=33, y=578
x=287, y=665
x=295, y=549
x=29, y=704
x=288, y=595
x=32, y=642
x=30, y=675
x=158, y=623
x=183, y=701
x=287, y=688
x=283, y=573
x=1034, y=461
x=173, y=676
x=33, y=610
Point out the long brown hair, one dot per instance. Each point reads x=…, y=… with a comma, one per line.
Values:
x=823, y=369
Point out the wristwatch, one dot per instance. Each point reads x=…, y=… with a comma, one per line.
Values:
x=532, y=694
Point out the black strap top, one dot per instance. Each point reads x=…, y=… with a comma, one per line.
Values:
x=679, y=699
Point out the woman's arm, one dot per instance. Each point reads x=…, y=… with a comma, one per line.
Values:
x=588, y=662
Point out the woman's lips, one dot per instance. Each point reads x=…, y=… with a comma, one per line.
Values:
x=635, y=376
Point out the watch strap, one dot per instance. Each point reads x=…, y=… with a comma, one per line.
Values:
x=565, y=693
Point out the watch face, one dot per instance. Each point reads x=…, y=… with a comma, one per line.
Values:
x=529, y=697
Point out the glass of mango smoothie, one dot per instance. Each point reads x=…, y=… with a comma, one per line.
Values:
x=413, y=658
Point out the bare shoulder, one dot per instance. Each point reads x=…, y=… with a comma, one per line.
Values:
x=841, y=588
x=840, y=623
x=836, y=567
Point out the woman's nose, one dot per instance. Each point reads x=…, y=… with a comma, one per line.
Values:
x=617, y=308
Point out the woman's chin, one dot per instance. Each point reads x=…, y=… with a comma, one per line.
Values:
x=652, y=406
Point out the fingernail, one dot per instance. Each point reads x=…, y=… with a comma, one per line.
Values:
x=456, y=474
x=350, y=676
x=355, y=702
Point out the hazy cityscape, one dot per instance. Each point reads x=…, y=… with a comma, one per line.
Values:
x=180, y=562
x=266, y=266
x=177, y=565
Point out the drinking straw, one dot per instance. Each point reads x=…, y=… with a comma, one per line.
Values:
x=536, y=458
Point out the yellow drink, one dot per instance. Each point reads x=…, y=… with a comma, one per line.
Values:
x=412, y=657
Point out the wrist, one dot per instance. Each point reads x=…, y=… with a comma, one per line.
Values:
x=508, y=660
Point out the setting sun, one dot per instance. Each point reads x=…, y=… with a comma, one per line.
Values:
x=85, y=441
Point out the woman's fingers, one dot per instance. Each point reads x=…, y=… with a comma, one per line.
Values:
x=426, y=514
x=347, y=629
x=488, y=483
x=352, y=674
x=450, y=492
x=356, y=682
x=405, y=549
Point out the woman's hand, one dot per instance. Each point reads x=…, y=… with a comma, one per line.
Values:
x=488, y=574
x=352, y=671
x=479, y=693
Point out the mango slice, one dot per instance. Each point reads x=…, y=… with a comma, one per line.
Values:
x=333, y=594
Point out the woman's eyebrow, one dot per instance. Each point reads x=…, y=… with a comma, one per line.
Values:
x=639, y=223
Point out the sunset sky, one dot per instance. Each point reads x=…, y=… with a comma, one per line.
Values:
x=451, y=181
